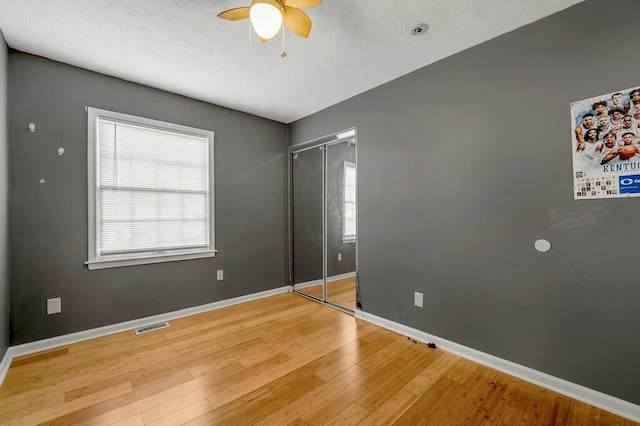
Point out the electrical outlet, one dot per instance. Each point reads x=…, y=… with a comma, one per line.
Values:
x=54, y=306
x=418, y=299
x=339, y=257
x=220, y=275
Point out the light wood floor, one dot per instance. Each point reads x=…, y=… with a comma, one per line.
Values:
x=275, y=361
x=341, y=292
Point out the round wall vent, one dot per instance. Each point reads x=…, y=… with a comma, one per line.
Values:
x=419, y=29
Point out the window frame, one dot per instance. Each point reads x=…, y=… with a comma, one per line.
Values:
x=348, y=238
x=97, y=261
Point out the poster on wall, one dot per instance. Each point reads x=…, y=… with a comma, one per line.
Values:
x=604, y=143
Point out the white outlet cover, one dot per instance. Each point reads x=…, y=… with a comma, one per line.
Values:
x=220, y=275
x=54, y=306
x=418, y=299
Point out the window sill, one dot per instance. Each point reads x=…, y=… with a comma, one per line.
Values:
x=146, y=260
x=348, y=240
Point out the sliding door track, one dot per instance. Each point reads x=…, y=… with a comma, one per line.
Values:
x=332, y=305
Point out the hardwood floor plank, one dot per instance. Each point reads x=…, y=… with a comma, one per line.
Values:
x=259, y=380
x=334, y=382
x=20, y=407
x=181, y=402
x=583, y=414
x=389, y=412
x=142, y=398
x=547, y=407
x=135, y=420
x=466, y=398
x=297, y=422
x=96, y=387
x=373, y=377
x=50, y=414
x=419, y=360
x=428, y=377
x=76, y=361
x=607, y=418
x=429, y=403
x=461, y=371
x=77, y=372
x=354, y=414
x=262, y=402
x=40, y=356
x=184, y=415
x=516, y=413
x=492, y=402
x=560, y=411
x=395, y=406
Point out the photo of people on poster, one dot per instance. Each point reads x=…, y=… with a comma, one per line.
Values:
x=605, y=145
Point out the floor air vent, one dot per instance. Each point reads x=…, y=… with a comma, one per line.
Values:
x=152, y=327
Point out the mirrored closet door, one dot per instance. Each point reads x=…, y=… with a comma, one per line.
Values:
x=324, y=220
x=341, y=224
x=307, y=200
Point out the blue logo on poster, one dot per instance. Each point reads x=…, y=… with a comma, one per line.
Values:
x=629, y=184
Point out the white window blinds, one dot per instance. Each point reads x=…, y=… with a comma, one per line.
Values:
x=349, y=231
x=152, y=190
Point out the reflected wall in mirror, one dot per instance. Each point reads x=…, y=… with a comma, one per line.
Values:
x=307, y=206
x=341, y=224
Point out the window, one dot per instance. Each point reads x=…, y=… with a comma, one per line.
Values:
x=150, y=191
x=349, y=216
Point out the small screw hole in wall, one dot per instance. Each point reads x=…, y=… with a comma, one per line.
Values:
x=542, y=246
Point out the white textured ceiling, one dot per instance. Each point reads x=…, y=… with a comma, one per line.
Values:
x=180, y=46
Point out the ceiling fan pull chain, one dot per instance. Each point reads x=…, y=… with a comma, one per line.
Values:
x=284, y=53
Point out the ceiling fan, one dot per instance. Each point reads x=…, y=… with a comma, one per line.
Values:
x=267, y=17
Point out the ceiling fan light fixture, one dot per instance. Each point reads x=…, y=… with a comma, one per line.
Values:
x=266, y=18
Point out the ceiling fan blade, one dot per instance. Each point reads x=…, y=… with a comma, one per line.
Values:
x=302, y=3
x=297, y=21
x=237, y=14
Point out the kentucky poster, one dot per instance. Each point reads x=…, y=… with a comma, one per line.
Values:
x=604, y=144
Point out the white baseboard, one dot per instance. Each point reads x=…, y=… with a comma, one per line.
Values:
x=598, y=399
x=341, y=276
x=307, y=284
x=329, y=279
x=67, y=339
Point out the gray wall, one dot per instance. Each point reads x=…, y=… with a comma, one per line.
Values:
x=49, y=221
x=465, y=163
x=307, y=221
x=4, y=202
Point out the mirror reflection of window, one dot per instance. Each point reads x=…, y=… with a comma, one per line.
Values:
x=349, y=205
